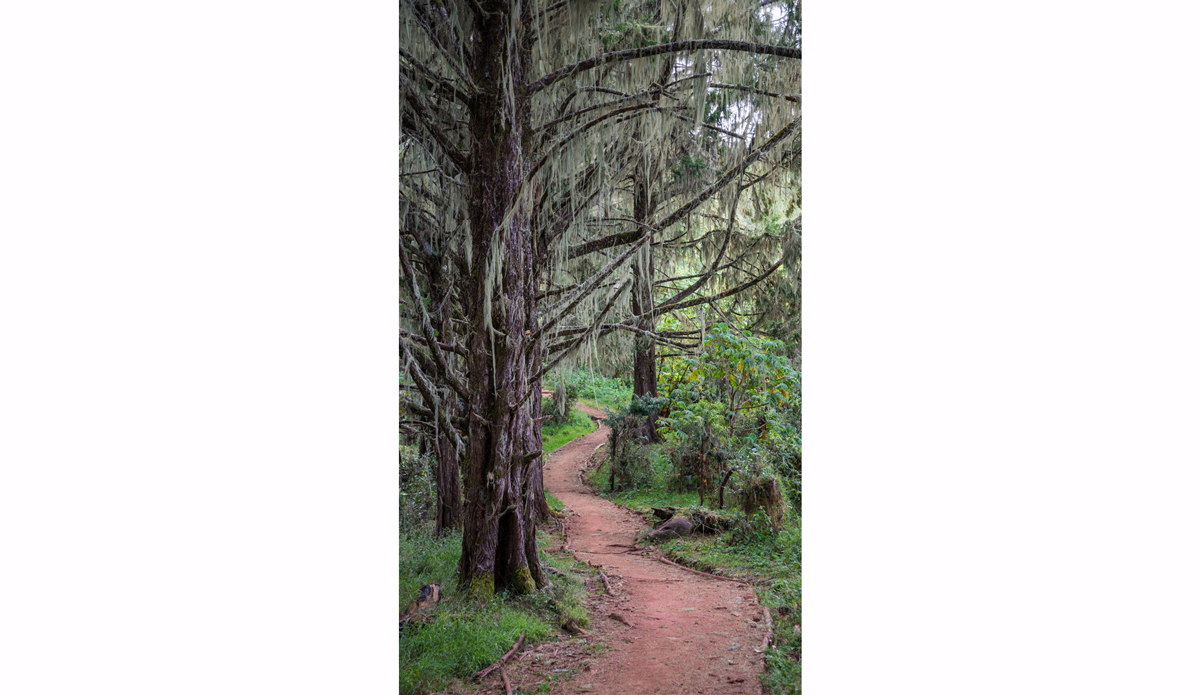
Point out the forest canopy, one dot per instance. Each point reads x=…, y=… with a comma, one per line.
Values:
x=610, y=184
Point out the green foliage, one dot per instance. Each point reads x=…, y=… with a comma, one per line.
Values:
x=560, y=406
x=695, y=444
x=754, y=385
x=595, y=389
x=734, y=408
x=555, y=435
x=654, y=493
x=418, y=489
x=629, y=465
x=689, y=167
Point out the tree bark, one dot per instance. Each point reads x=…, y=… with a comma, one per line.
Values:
x=499, y=531
x=449, y=488
x=449, y=502
x=645, y=373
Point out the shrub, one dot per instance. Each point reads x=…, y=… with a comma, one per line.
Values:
x=696, y=445
x=562, y=403
x=630, y=466
x=418, y=489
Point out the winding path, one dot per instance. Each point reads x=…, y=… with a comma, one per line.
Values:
x=688, y=633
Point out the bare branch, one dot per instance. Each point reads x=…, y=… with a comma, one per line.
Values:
x=722, y=85
x=659, y=310
x=427, y=329
x=673, y=47
x=579, y=341
x=585, y=289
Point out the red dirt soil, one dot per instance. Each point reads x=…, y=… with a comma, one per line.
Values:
x=689, y=634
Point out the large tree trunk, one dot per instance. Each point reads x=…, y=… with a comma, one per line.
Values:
x=499, y=530
x=645, y=373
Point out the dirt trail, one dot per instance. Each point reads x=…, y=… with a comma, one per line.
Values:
x=689, y=634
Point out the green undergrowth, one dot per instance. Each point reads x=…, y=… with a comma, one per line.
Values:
x=554, y=436
x=755, y=551
x=595, y=390
x=653, y=494
x=464, y=636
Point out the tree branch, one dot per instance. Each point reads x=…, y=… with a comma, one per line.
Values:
x=659, y=310
x=585, y=289
x=647, y=51
x=427, y=329
x=724, y=180
x=722, y=85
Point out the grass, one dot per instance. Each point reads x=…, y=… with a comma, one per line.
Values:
x=654, y=494
x=768, y=557
x=599, y=392
x=554, y=436
x=464, y=636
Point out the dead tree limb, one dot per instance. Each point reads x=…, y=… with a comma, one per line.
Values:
x=484, y=673
x=704, y=574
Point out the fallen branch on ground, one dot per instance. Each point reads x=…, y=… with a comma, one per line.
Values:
x=607, y=587
x=705, y=574
x=507, y=684
x=573, y=627
x=589, y=563
x=483, y=674
x=765, y=644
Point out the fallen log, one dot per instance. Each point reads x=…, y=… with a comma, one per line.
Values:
x=430, y=595
x=483, y=674
x=767, y=637
x=607, y=587
x=507, y=684
x=704, y=574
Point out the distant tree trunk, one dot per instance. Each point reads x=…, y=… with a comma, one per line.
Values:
x=449, y=505
x=499, y=531
x=449, y=487
x=645, y=374
x=537, y=490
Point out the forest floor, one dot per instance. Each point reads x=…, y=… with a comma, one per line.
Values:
x=662, y=630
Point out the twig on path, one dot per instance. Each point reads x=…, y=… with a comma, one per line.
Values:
x=507, y=684
x=620, y=619
x=607, y=588
x=766, y=637
x=589, y=563
x=705, y=574
x=483, y=674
